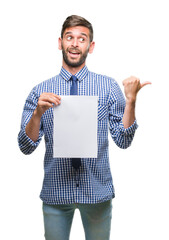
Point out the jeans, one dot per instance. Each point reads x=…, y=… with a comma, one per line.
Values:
x=96, y=219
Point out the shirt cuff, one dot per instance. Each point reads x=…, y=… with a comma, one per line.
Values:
x=128, y=131
x=26, y=144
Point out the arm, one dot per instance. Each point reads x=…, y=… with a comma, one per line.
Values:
x=122, y=123
x=31, y=125
x=121, y=136
x=46, y=101
x=132, y=86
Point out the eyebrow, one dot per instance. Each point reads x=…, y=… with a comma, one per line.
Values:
x=84, y=34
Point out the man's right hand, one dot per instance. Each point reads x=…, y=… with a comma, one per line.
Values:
x=46, y=101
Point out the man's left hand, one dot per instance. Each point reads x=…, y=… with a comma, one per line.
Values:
x=131, y=87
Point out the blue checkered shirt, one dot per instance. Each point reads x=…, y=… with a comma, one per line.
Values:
x=94, y=176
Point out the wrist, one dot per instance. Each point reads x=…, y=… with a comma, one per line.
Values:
x=131, y=101
x=37, y=115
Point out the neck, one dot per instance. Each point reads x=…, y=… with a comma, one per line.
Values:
x=72, y=70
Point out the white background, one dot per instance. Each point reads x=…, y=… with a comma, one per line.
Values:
x=131, y=39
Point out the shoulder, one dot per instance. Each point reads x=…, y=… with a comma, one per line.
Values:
x=99, y=76
x=46, y=85
x=104, y=80
x=108, y=89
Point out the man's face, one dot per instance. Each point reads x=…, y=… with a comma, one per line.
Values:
x=75, y=46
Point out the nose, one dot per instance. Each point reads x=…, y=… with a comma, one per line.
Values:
x=75, y=42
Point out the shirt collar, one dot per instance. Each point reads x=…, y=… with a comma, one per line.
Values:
x=80, y=75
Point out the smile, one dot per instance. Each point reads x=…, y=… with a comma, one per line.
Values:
x=73, y=54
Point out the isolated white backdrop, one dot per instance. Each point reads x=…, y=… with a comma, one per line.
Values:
x=131, y=39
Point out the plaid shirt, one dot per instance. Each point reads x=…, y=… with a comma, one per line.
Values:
x=60, y=179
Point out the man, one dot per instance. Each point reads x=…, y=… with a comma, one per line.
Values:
x=83, y=183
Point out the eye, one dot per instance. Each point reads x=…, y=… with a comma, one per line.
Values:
x=82, y=39
x=69, y=38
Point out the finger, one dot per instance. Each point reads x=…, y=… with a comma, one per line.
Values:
x=45, y=104
x=46, y=94
x=130, y=80
x=144, y=84
x=55, y=96
x=50, y=98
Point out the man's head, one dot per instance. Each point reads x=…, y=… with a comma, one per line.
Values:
x=76, y=41
x=74, y=21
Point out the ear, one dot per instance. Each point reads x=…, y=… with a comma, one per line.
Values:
x=91, y=48
x=60, y=44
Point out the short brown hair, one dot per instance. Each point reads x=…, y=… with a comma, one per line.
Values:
x=73, y=21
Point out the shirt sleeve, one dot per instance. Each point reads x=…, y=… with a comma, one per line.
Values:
x=26, y=145
x=121, y=136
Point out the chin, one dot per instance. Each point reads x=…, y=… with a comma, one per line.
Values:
x=74, y=63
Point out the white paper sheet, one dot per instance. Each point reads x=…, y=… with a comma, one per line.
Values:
x=75, y=127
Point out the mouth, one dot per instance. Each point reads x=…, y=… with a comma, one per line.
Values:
x=73, y=53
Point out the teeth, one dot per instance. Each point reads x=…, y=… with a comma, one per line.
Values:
x=74, y=52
